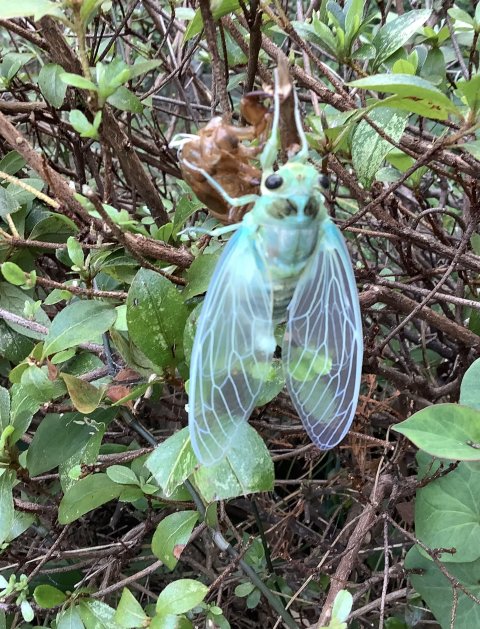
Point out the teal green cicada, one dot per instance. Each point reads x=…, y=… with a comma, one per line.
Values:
x=287, y=261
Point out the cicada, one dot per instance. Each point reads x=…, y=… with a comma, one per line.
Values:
x=286, y=262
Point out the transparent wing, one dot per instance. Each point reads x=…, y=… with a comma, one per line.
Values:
x=232, y=350
x=323, y=344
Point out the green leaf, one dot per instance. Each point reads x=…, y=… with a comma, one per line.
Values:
x=79, y=322
x=122, y=475
x=27, y=611
x=70, y=619
x=156, y=317
x=12, y=163
x=4, y=408
x=13, y=273
x=369, y=148
x=76, y=80
x=142, y=67
x=395, y=33
x=180, y=596
x=408, y=86
x=200, y=273
x=129, y=612
x=75, y=252
x=53, y=228
x=172, y=461
x=469, y=389
x=7, y=481
x=97, y=615
x=37, y=384
x=447, y=513
x=248, y=468
x=88, y=494
x=81, y=124
x=57, y=438
x=219, y=9
x=172, y=535
x=8, y=204
x=436, y=590
x=28, y=8
x=446, y=431
x=125, y=100
x=47, y=596
x=469, y=91
x=170, y=622
x=472, y=147
x=342, y=606
x=85, y=396
x=51, y=85
x=88, y=9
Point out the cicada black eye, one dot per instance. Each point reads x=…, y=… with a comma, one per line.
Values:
x=273, y=181
x=323, y=181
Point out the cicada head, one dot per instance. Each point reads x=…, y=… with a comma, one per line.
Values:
x=293, y=192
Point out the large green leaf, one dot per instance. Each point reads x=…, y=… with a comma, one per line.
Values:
x=447, y=513
x=88, y=494
x=28, y=8
x=369, y=148
x=57, y=438
x=248, y=468
x=156, y=317
x=171, y=536
x=470, y=389
x=436, y=589
x=129, y=613
x=394, y=34
x=79, y=322
x=447, y=431
x=52, y=86
x=407, y=86
x=172, y=461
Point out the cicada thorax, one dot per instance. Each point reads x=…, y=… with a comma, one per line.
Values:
x=227, y=153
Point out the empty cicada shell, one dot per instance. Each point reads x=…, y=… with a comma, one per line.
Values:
x=226, y=152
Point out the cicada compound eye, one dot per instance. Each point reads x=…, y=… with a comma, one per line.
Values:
x=324, y=181
x=273, y=181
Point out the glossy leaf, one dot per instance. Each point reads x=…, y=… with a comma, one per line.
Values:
x=395, y=33
x=180, y=596
x=171, y=536
x=129, y=612
x=46, y=596
x=88, y=494
x=172, y=461
x=447, y=431
x=469, y=389
x=77, y=323
x=369, y=148
x=51, y=85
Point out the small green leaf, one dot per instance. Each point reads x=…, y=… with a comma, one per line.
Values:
x=76, y=80
x=219, y=9
x=171, y=536
x=12, y=163
x=78, y=323
x=244, y=589
x=122, y=475
x=13, y=273
x=172, y=461
x=51, y=85
x=82, y=125
x=142, y=67
x=342, y=606
x=395, y=33
x=180, y=596
x=125, y=100
x=87, y=494
x=75, y=252
x=27, y=611
x=129, y=613
x=47, y=596
x=446, y=431
x=8, y=204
